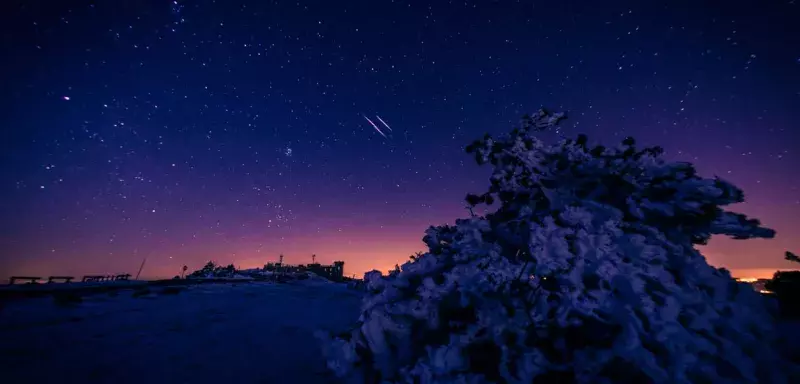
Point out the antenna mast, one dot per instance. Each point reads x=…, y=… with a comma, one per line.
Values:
x=140, y=268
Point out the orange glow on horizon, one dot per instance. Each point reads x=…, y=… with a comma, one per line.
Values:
x=362, y=248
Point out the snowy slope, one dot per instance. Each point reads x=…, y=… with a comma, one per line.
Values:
x=214, y=333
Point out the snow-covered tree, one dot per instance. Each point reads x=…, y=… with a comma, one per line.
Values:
x=211, y=269
x=586, y=272
x=207, y=270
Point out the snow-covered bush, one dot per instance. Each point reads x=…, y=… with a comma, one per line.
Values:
x=586, y=272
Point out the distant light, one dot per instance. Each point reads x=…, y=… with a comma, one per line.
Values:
x=66, y=98
x=747, y=279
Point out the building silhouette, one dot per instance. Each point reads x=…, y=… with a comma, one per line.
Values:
x=334, y=272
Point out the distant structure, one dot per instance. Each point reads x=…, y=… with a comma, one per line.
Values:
x=759, y=285
x=334, y=272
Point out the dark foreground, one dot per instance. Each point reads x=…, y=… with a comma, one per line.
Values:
x=211, y=333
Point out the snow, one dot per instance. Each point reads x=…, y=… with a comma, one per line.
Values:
x=587, y=272
x=205, y=333
x=49, y=287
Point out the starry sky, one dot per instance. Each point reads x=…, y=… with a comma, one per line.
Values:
x=195, y=130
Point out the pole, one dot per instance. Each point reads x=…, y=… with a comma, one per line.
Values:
x=140, y=268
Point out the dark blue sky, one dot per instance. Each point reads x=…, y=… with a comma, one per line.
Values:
x=235, y=130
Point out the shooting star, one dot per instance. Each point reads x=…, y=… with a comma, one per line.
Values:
x=384, y=123
x=375, y=126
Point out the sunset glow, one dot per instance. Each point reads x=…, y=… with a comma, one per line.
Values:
x=212, y=132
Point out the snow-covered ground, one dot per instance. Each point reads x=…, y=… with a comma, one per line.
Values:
x=211, y=333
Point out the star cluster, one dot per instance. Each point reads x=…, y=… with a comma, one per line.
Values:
x=186, y=131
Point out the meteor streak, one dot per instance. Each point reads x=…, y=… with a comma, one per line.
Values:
x=375, y=126
x=384, y=123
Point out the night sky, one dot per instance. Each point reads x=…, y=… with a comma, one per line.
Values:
x=237, y=130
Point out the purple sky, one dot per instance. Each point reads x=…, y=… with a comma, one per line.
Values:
x=235, y=131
